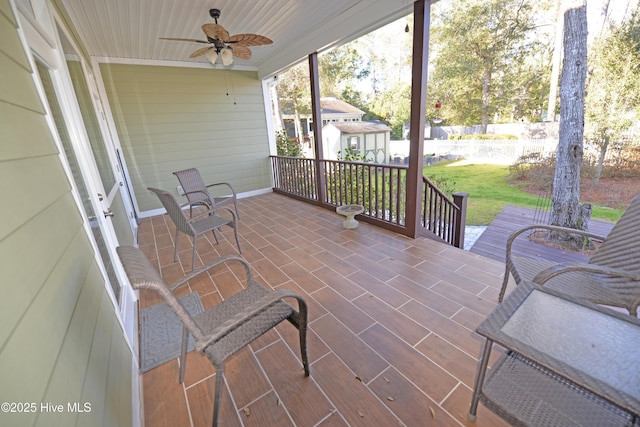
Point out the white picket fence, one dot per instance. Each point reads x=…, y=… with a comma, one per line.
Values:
x=494, y=151
x=507, y=151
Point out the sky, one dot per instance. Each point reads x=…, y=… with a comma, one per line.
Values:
x=616, y=11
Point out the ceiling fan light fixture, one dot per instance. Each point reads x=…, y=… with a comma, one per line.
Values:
x=219, y=42
x=227, y=56
x=211, y=55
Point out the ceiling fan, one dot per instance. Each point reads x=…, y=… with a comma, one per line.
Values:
x=223, y=45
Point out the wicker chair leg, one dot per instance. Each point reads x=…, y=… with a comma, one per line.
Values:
x=217, y=393
x=193, y=255
x=303, y=349
x=300, y=321
x=235, y=231
x=505, y=281
x=175, y=250
x=183, y=353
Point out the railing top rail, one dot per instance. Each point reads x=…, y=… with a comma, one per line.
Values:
x=426, y=181
x=346, y=162
x=370, y=164
x=274, y=156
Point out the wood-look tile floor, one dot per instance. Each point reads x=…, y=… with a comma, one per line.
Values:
x=391, y=323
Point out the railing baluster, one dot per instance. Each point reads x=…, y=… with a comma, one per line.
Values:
x=380, y=188
x=383, y=207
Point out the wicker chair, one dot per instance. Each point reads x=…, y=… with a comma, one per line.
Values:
x=194, y=226
x=610, y=277
x=223, y=330
x=197, y=192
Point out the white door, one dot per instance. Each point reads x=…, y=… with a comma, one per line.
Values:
x=88, y=154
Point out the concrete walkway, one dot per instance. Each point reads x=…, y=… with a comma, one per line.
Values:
x=471, y=234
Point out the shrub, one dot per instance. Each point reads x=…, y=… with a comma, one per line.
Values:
x=287, y=147
x=351, y=155
x=446, y=185
x=535, y=169
x=624, y=161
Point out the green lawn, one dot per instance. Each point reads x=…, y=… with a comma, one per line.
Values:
x=489, y=191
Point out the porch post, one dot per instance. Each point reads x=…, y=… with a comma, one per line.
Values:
x=460, y=200
x=316, y=113
x=421, y=21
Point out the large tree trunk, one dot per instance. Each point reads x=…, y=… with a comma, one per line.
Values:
x=297, y=123
x=566, y=210
x=599, y=166
x=486, y=89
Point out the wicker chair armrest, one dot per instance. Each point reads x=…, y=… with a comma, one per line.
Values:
x=223, y=183
x=251, y=311
x=209, y=212
x=196, y=191
x=512, y=237
x=567, y=267
x=212, y=265
x=189, y=203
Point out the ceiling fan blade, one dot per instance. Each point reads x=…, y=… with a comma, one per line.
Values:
x=184, y=40
x=241, y=52
x=215, y=31
x=249, y=40
x=200, y=52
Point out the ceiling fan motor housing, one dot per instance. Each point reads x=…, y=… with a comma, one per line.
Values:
x=215, y=14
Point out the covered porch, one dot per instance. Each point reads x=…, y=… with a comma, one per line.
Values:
x=94, y=113
x=391, y=325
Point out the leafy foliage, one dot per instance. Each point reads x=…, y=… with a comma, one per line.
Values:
x=387, y=53
x=446, y=185
x=287, y=147
x=293, y=89
x=613, y=89
x=351, y=155
x=339, y=67
x=489, y=60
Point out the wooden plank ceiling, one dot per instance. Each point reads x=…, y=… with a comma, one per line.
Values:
x=130, y=29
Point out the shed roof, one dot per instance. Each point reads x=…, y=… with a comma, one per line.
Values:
x=338, y=106
x=361, y=127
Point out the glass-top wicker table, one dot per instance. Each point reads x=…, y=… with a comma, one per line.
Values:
x=567, y=362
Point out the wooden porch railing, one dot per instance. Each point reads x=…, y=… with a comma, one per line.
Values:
x=295, y=176
x=442, y=216
x=381, y=189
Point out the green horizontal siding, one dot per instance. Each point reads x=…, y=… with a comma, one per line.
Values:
x=36, y=191
x=16, y=140
x=58, y=325
x=172, y=118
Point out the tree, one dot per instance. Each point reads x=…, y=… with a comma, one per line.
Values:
x=613, y=90
x=482, y=48
x=293, y=90
x=556, y=60
x=337, y=69
x=566, y=210
x=387, y=55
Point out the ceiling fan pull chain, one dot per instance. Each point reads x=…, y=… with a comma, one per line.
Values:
x=226, y=83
